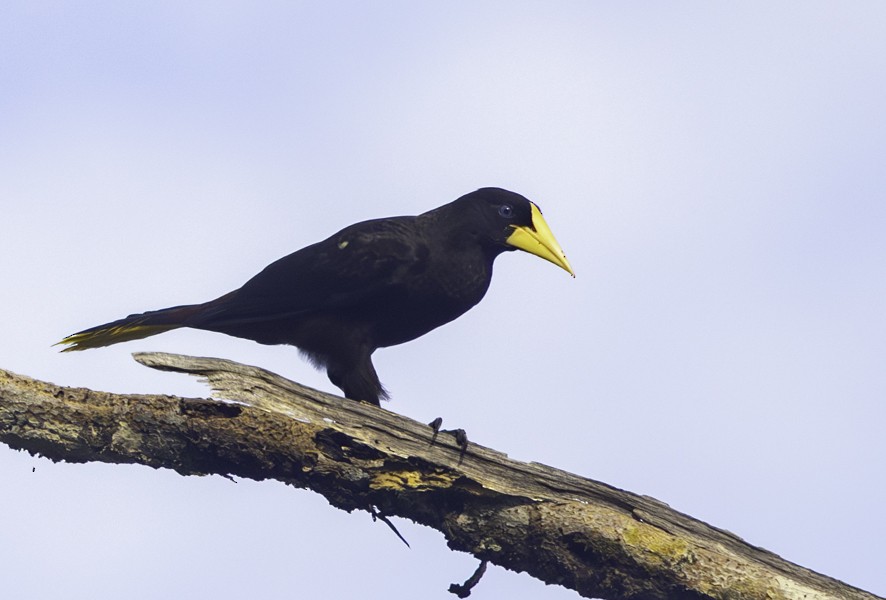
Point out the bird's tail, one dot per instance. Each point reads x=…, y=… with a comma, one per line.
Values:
x=133, y=327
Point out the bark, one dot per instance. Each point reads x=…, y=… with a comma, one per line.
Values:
x=563, y=529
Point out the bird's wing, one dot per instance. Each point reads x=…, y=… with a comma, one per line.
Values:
x=361, y=264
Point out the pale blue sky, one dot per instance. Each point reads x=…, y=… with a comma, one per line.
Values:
x=714, y=171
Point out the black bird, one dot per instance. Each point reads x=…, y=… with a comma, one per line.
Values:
x=374, y=284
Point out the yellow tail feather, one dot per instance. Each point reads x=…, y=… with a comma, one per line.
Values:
x=96, y=338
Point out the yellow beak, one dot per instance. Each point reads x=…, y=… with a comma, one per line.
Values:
x=538, y=239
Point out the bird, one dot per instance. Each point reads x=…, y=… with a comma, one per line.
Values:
x=374, y=284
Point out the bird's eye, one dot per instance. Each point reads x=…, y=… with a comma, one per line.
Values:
x=506, y=210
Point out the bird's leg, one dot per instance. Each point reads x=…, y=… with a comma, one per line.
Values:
x=357, y=379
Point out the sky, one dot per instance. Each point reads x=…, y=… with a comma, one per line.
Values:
x=714, y=172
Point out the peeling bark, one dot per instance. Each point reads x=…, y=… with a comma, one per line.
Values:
x=560, y=528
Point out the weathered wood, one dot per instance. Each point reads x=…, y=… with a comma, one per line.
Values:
x=596, y=539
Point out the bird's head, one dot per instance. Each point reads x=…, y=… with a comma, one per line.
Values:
x=512, y=222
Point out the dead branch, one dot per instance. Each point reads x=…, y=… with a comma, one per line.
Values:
x=556, y=526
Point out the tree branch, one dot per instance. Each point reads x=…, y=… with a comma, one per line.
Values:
x=556, y=526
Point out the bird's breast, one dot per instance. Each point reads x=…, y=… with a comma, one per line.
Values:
x=436, y=298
